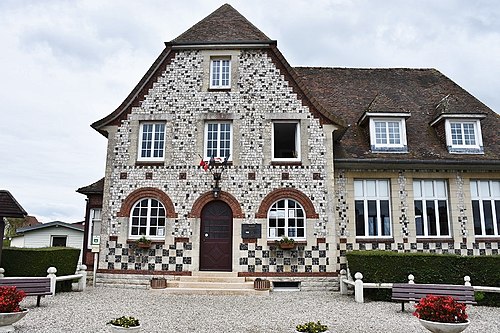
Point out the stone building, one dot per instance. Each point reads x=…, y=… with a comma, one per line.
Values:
x=222, y=149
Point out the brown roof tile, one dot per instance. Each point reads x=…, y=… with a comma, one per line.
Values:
x=348, y=92
x=97, y=187
x=225, y=25
x=9, y=207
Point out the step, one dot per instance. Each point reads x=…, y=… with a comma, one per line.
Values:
x=217, y=279
x=211, y=291
x=214, y=273
x=209, y=285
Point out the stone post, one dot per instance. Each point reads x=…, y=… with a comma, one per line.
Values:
x=2, y=272
x=51, y=274
x=358, y=288
x=411, y=279
x=82, y=282
x=343, y=286
x=467, y=280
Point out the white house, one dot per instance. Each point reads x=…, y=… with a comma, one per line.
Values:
x=55, y=233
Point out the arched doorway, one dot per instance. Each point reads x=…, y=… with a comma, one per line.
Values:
x=216, y=233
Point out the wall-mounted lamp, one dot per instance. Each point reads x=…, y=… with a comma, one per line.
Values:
x=216, y=192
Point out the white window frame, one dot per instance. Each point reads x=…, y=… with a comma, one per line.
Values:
x=424, y=197
x=388, y=147
x=58, y=236
x=154, y=140
x=148, y=221
x=297, y=142
x=218, y=156
x=378, y=197
x=216, y=78
x=482, y=195
x=464, y=148
x=287, y=215
x=95, y=216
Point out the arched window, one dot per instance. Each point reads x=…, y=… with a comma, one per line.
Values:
x=147, y=219
x=286, y=218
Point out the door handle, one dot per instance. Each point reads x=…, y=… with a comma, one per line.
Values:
x=206, y=234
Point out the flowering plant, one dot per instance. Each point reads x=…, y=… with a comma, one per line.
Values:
x=311, y=327
x=443, y=309
x=10, y=298
x=125, y=321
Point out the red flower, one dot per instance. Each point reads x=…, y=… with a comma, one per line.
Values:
x=10, y=298
x=442, y=309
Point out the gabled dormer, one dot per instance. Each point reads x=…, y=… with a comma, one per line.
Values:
x=386, y=123
x=458, y=127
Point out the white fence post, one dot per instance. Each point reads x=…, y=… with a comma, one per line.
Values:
x=358, y=288
x=467, y=280
x=343, y=286
x=82, y=282
x=411, y=279
x=2, y=271
x=52, y=276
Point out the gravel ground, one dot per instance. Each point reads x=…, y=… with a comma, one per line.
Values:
x=89, y=311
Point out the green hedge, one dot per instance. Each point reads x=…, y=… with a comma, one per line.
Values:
x=385, y=266
x=36, y=261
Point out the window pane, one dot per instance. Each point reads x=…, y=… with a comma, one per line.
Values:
x=428, y=190
x=456, y=134
x=488, y=217
x=440, y=189
x=476, y=215
x=284, y=140
x=431, y=218
x=473, y=189
x=417, y=189
x=495, y=188
x=360, y=221
x=443, y=218
x=394, y=136
x=419, y=220
x=385, y=218
x=372, y=218
x=358, y=188
x=383, y=188
x=497, y=213
x=469, y=137
x=371, y=188
x=380, y=132
x=484, y=189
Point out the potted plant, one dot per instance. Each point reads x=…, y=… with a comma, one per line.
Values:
x=143, y=243
x=311, y=327
x=441, y=314
x=286, y=243
x=125, y=324
x=10, y=312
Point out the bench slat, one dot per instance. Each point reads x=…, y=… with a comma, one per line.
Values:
x=31, y=286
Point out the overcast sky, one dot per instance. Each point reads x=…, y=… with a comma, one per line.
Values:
x=66, y=64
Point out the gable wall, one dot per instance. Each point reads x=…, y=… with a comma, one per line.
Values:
x=180, y=98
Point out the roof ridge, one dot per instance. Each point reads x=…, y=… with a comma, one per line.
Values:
x=225, y=24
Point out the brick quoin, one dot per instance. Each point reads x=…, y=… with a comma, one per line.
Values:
x=208, y=197
x=286, y=193
x=143, y=193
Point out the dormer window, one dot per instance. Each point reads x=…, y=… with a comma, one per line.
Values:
x=220, y=73
x=464, y=136
x=388, y=135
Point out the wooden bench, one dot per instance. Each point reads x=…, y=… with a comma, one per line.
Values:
x=31, y=286
x=406, y=292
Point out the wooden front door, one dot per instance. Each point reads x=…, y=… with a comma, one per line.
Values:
x=216, y=237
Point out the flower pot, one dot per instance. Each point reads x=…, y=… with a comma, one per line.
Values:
x=9, y=318
x=120, y=329
x=287, y=246
x=321, y=332
x=437, y=327
x=158, y=283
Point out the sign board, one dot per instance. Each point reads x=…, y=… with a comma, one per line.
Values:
x=95, y=248
x=96, y=240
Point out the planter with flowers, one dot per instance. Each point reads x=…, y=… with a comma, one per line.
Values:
x=10, y=312
x=311, y=327
x=441, y=314
x=125, y=324
x=286, y=243
x=143, y=243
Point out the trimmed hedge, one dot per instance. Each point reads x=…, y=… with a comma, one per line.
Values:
x=36, y=261
x=385, y=266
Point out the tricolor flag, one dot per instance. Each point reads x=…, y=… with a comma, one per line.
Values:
x=204, y=164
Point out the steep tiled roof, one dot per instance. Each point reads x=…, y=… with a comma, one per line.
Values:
x=9, y=207
x=97, y=187
x=225, y=25
x=348, y=93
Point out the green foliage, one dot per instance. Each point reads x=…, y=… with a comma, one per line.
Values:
x=125, y=322
x=311, y=327
x=386, y=266
x=36, y=261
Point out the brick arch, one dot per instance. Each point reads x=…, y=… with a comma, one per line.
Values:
x=224, y=196
x=286, y=193
x=147, y=192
